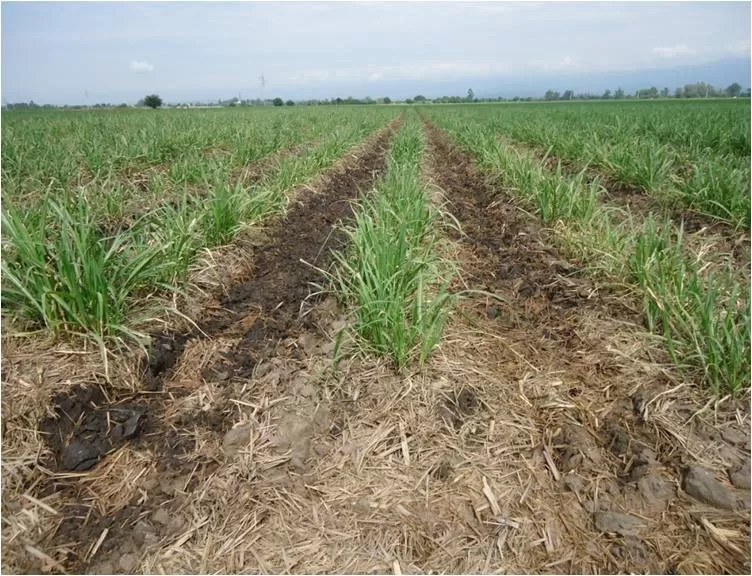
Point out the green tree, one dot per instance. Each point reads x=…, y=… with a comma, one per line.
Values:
x=568, y=95
x=607, y=94
x=619, y=94
x=387, y=100
x=152, y=101
x=419, y=98
x=734, y=90
x=644, y=93
x=664, y=93
x=699, y=90
x=289, y=103
x=470, y=95
x=278, y=102
x=551, y=95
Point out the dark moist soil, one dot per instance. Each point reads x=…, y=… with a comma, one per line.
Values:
x=86, y=426
x=622, y=465
x=516, y=252
x=92, y=421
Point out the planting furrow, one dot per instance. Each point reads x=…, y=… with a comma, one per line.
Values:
x=604, y=468
x=164, y=440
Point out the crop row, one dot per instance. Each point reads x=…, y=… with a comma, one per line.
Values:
x=390, y=274
x=688, y=155
x=62, y=271
x=701, y=312
x=128, y=154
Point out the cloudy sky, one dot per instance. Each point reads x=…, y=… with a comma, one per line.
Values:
x=93, y=52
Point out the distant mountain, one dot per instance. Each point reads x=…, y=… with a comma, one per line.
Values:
x=719, y=74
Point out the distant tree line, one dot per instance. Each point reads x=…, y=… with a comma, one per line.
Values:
x=31, y=105
x=155, y=101
x=697, y=90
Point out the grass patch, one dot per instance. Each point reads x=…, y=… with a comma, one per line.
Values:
x=60, y=272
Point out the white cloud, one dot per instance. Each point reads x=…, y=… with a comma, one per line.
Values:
x=441, y=70
x=741, y=48
x=566, y=63
x=141, y=66
x=673, y=51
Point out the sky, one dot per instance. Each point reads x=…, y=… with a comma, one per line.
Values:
x=89, y=52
